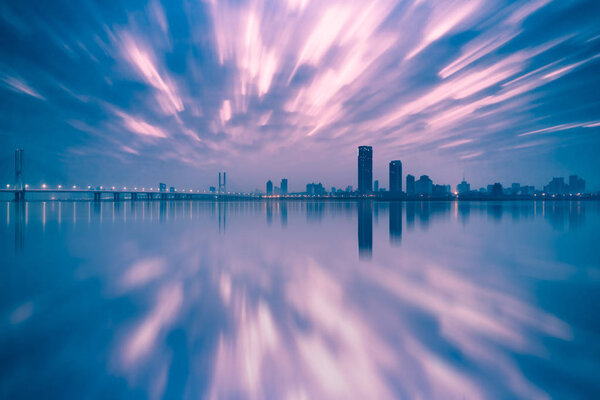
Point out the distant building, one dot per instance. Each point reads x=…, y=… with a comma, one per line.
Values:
x=527, y=190
x=376, y=185
x=440, y=190
x=315, y=189
x=349, y=189
x=365, y=169
x=395, y=177
x=410, y=185
x=576, y=185
x=463, y=187
x=212, y=189
x=333, y=190
x=424, y=185
x=556, y=186
x=284, y=186
x=269, y=187
x=497, y=190
x=162, y=187
x=172, y=189
x=515, y=189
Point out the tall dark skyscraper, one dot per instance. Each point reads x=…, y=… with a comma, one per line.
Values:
x=395, y=177
x=365, y=169
x=410, y=184
x=269, y=187
x=283, y=186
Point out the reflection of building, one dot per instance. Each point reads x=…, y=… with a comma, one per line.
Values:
x=410, y=184
x=395, y=177
x=365, y=230
x=365, y=169
x=284, y=186
x=395, y=222
x=269, y=187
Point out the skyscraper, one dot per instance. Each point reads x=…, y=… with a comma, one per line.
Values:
x=395, y=177
x=365, y=169
x=410, y=184
x=269, y=187
x=376, y=185
x=463, y=187
x=424, y=185
x=284, y=188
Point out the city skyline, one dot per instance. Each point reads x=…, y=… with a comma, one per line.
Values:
x=366, y=185
x=135, y=93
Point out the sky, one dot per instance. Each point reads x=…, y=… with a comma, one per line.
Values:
x=141, y=92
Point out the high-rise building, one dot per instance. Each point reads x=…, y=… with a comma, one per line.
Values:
x=463, y=187
x=395, y=177
x=365, y=169
x=315, y=189
x=497, y=190
x=576, y=185
x=410, y=185
x=424, y=185
x=269, y=187
x=376, y=185
x=284, y=188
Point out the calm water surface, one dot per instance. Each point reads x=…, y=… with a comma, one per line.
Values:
x=299, y=300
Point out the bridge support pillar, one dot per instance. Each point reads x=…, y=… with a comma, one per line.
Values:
x=163, y=196
x=97, y=196
x=19, y=195
x=116, y=196
x=133, y=196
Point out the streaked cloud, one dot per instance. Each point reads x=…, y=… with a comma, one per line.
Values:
x=257, y=82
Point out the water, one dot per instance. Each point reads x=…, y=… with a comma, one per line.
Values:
x=299, y=300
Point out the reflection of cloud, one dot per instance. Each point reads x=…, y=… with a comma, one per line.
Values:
x=143, y=339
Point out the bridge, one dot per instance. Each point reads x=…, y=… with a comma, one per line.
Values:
x=20, y=189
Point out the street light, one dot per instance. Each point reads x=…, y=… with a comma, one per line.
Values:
x=60, y=186
x=44, y=186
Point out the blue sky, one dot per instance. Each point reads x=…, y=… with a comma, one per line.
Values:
x=136, y=92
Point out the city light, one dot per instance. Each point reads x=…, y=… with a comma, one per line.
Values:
x=74, y=187
x=60, y=186
x=44, y=186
